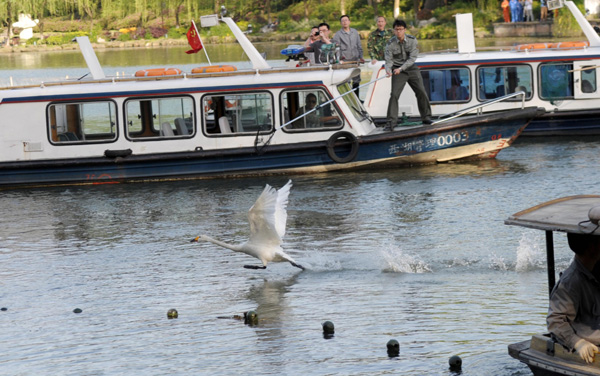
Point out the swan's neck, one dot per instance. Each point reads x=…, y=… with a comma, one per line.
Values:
x=233, y=247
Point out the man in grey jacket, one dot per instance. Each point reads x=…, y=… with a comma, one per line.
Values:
x=350, y=47
x=401, y=53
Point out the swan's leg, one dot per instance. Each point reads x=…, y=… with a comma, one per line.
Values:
x=297, y=265
x=255, y=267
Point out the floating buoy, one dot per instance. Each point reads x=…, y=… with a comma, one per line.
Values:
x=77, y=310
x=172, y=313
x=3, y=309
x=455, y=363
x=215, y=69
x=158, y=72
x=250, y=318
x=328, y=328
x=393, y=348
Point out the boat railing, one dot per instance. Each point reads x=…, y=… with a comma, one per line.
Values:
x=479, y=107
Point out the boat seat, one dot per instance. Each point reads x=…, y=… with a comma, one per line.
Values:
x=182, y=129
x=166, y=130
x=67, y=136
x=224, y=125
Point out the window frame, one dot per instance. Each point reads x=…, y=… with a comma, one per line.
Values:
x=80, y=140
x=529, y=93
x=327, y=94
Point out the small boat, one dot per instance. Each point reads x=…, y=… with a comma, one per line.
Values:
x=219, y=121
x=543, y=355
x=563, y=78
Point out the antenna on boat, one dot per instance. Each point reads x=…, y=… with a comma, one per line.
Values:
x=586, y=27
x=258, y=61
x=90, y=58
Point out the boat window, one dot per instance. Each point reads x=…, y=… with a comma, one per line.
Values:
x=447, y=85
x=556, y=81
x=305, y=110
x=160, y=118
x=234, y=114
x=84, y=122
x=495, y=82
x=588, y=79
x=353, y=102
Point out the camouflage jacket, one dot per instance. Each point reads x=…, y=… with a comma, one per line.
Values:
x=376, y=43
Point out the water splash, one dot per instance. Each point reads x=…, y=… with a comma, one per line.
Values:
x=530, y=252
x=397, y=261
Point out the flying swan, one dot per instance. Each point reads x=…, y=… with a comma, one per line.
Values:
x=267, y=218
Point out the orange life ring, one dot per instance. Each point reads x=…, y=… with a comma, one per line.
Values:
x=532, y=46
x=559, y=45
x=215, y=69
x=566, y=45
x=158, y=72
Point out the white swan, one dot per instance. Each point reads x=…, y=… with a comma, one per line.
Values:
x=267, y=219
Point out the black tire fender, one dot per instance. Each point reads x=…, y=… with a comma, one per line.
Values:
x=342, y=135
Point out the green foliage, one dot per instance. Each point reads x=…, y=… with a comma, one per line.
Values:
x=565, y=24
x=66, y=38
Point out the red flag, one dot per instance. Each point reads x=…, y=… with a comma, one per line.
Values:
x=193, y=39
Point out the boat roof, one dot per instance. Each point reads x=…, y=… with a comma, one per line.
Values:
x=567, y=214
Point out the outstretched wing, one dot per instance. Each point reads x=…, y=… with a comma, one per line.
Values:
x=267, y=217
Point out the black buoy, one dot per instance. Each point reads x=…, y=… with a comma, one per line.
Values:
x=3, y=309
x=393, y=348
x=328, y=329
x=455, y=363
x=250, y=318
x=77, y=310
x=172, y=313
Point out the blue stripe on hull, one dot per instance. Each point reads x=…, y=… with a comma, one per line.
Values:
x=372, y=148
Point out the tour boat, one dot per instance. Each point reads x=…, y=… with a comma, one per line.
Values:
x=542, y=353
x=563, y=78
x=219, y=121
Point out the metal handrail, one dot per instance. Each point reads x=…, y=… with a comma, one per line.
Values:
x=479, y=107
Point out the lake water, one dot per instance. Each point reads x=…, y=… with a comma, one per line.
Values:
x=420, y=255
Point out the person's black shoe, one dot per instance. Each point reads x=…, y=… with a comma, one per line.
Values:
x=427, y=121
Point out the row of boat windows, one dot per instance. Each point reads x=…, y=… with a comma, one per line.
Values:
x=556, y=81
x=167, y=118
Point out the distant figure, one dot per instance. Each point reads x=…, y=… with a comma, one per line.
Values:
x=379, y=38
x=514, y=10
x=350, y=47
x=573, y=314
x=401, y=53
x=506, y=10
x=543, y=10
x=528, y=10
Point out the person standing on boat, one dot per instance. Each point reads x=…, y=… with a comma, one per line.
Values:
x=323, y=38
x=574, y=311
x=378, y=39
x=350, y=47
x=506, y=10
x=314, y=36
x=401, y=54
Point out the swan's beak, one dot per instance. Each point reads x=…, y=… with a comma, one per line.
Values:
x=195, y=239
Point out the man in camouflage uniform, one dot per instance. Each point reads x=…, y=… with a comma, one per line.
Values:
x=378, y=39
x=400, y=55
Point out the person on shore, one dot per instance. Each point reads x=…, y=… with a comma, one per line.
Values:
x=528, y=10
x=401, y=54
x=514, y=10
x=350, y=47
x=543, y=10
x=378, y=39
x=506, y=10
x=573, y=316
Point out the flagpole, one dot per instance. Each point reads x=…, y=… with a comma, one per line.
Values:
x=197, y=33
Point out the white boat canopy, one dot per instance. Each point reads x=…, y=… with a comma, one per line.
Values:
x=567, y=214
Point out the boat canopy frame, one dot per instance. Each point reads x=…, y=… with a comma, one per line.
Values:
x=574, y=214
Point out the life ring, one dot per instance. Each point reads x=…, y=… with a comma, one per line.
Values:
x=215, y=69
x=158, y=72
x=532, y=46
x=342, y=135
x=559, y=45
